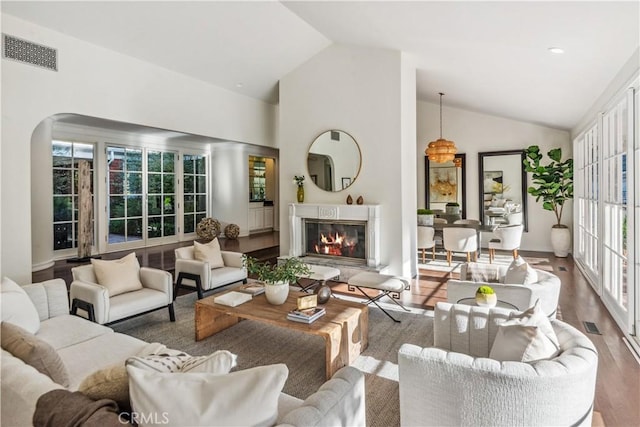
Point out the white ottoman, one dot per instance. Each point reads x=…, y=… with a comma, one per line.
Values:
x=319, y=274
x=391, y=286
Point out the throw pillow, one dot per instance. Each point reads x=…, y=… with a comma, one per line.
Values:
x=219, y=362
x=33, y=351
x=520, y=273
x=525, y=337
x=111, y=383
x=486, y=273
x=17, y=307
x=118, y=276
x=248, y=397
x=209, y=252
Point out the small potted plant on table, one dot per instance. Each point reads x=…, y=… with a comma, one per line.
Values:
x=425, y=217
x=276, y=277
x=486, y=296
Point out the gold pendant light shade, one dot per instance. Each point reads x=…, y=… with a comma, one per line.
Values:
x=441, y=150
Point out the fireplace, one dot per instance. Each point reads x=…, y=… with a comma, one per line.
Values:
x=357, y=227
x=345, y=240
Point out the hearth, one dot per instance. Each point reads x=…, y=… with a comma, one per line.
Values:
x=345, y=240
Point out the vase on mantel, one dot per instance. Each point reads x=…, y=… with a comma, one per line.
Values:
x=300, y=194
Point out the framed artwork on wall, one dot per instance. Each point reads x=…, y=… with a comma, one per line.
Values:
x=346, y=182
x=443, y=184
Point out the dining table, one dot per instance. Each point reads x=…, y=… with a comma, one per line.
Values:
x=480, y=228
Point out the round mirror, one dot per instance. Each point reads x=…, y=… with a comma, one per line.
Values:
x=334, y=160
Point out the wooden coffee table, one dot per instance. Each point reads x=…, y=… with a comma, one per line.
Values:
x=344, y=327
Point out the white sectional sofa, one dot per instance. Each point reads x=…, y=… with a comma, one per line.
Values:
x=86, y=347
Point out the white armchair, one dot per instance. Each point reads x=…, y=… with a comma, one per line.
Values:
x=191, y=272
x=455, y=383
x=86, y=294
x=546, y=289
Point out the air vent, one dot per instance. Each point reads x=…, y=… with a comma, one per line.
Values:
x=591, y=328
x=30, y=53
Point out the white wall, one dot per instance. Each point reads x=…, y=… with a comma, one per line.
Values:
x=98, y=82
x=474, y=132
x=362, y=92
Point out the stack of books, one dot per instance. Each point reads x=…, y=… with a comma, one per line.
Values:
x=253, y=288
x=306, y=316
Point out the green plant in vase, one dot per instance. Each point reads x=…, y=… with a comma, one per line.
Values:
x=299, y=180
x=276, y=277
x=486, y=296
x=553, y=184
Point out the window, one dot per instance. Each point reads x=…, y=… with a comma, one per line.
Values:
x=195, y=190
x=124, y=194
x=161, y=199
x=66, y=156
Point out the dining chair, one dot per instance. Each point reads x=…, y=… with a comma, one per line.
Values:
x=458, y=239
x=426, y=241
x=439, y=221
x=507, y=238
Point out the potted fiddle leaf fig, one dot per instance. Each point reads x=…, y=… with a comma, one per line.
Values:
x=276, y=277
x=553, y=185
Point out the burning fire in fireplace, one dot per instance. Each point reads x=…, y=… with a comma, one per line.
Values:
x=336, y=245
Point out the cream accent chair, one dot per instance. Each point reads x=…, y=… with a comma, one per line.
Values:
x=200, y=275
x=507, y=238
x=426, y=241
x=86, y=294
x=454, y=383
x=458, y=239
x=546, y=289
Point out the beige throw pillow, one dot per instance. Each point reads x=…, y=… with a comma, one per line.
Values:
x=111, y=383
x=520, y=273
x=242, y=398
x=34, y=351
x=485, y=273
x=17, y=307
x=209, y=252
x=118, y=276
x=525, y=337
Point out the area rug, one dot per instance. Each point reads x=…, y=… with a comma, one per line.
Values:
x=259, y=344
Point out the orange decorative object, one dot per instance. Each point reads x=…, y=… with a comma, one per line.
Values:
x=441, y=150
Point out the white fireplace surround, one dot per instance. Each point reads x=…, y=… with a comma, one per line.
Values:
x=368, y=213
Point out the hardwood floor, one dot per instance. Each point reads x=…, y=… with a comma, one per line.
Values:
x=618, y=386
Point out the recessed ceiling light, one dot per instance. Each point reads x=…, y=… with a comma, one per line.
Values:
x=239, y=85
x=556, y=50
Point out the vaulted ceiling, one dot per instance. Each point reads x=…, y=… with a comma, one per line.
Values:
x=489, y=57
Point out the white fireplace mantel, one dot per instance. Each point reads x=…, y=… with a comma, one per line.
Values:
x=368, y=213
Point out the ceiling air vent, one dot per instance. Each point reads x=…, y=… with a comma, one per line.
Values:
x=30, y=53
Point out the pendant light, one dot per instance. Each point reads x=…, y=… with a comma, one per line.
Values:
x=441, y=150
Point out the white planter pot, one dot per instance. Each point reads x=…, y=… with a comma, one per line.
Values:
x=561, y=241
x=425, y=220
x=486, y=300
x=276, y=294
